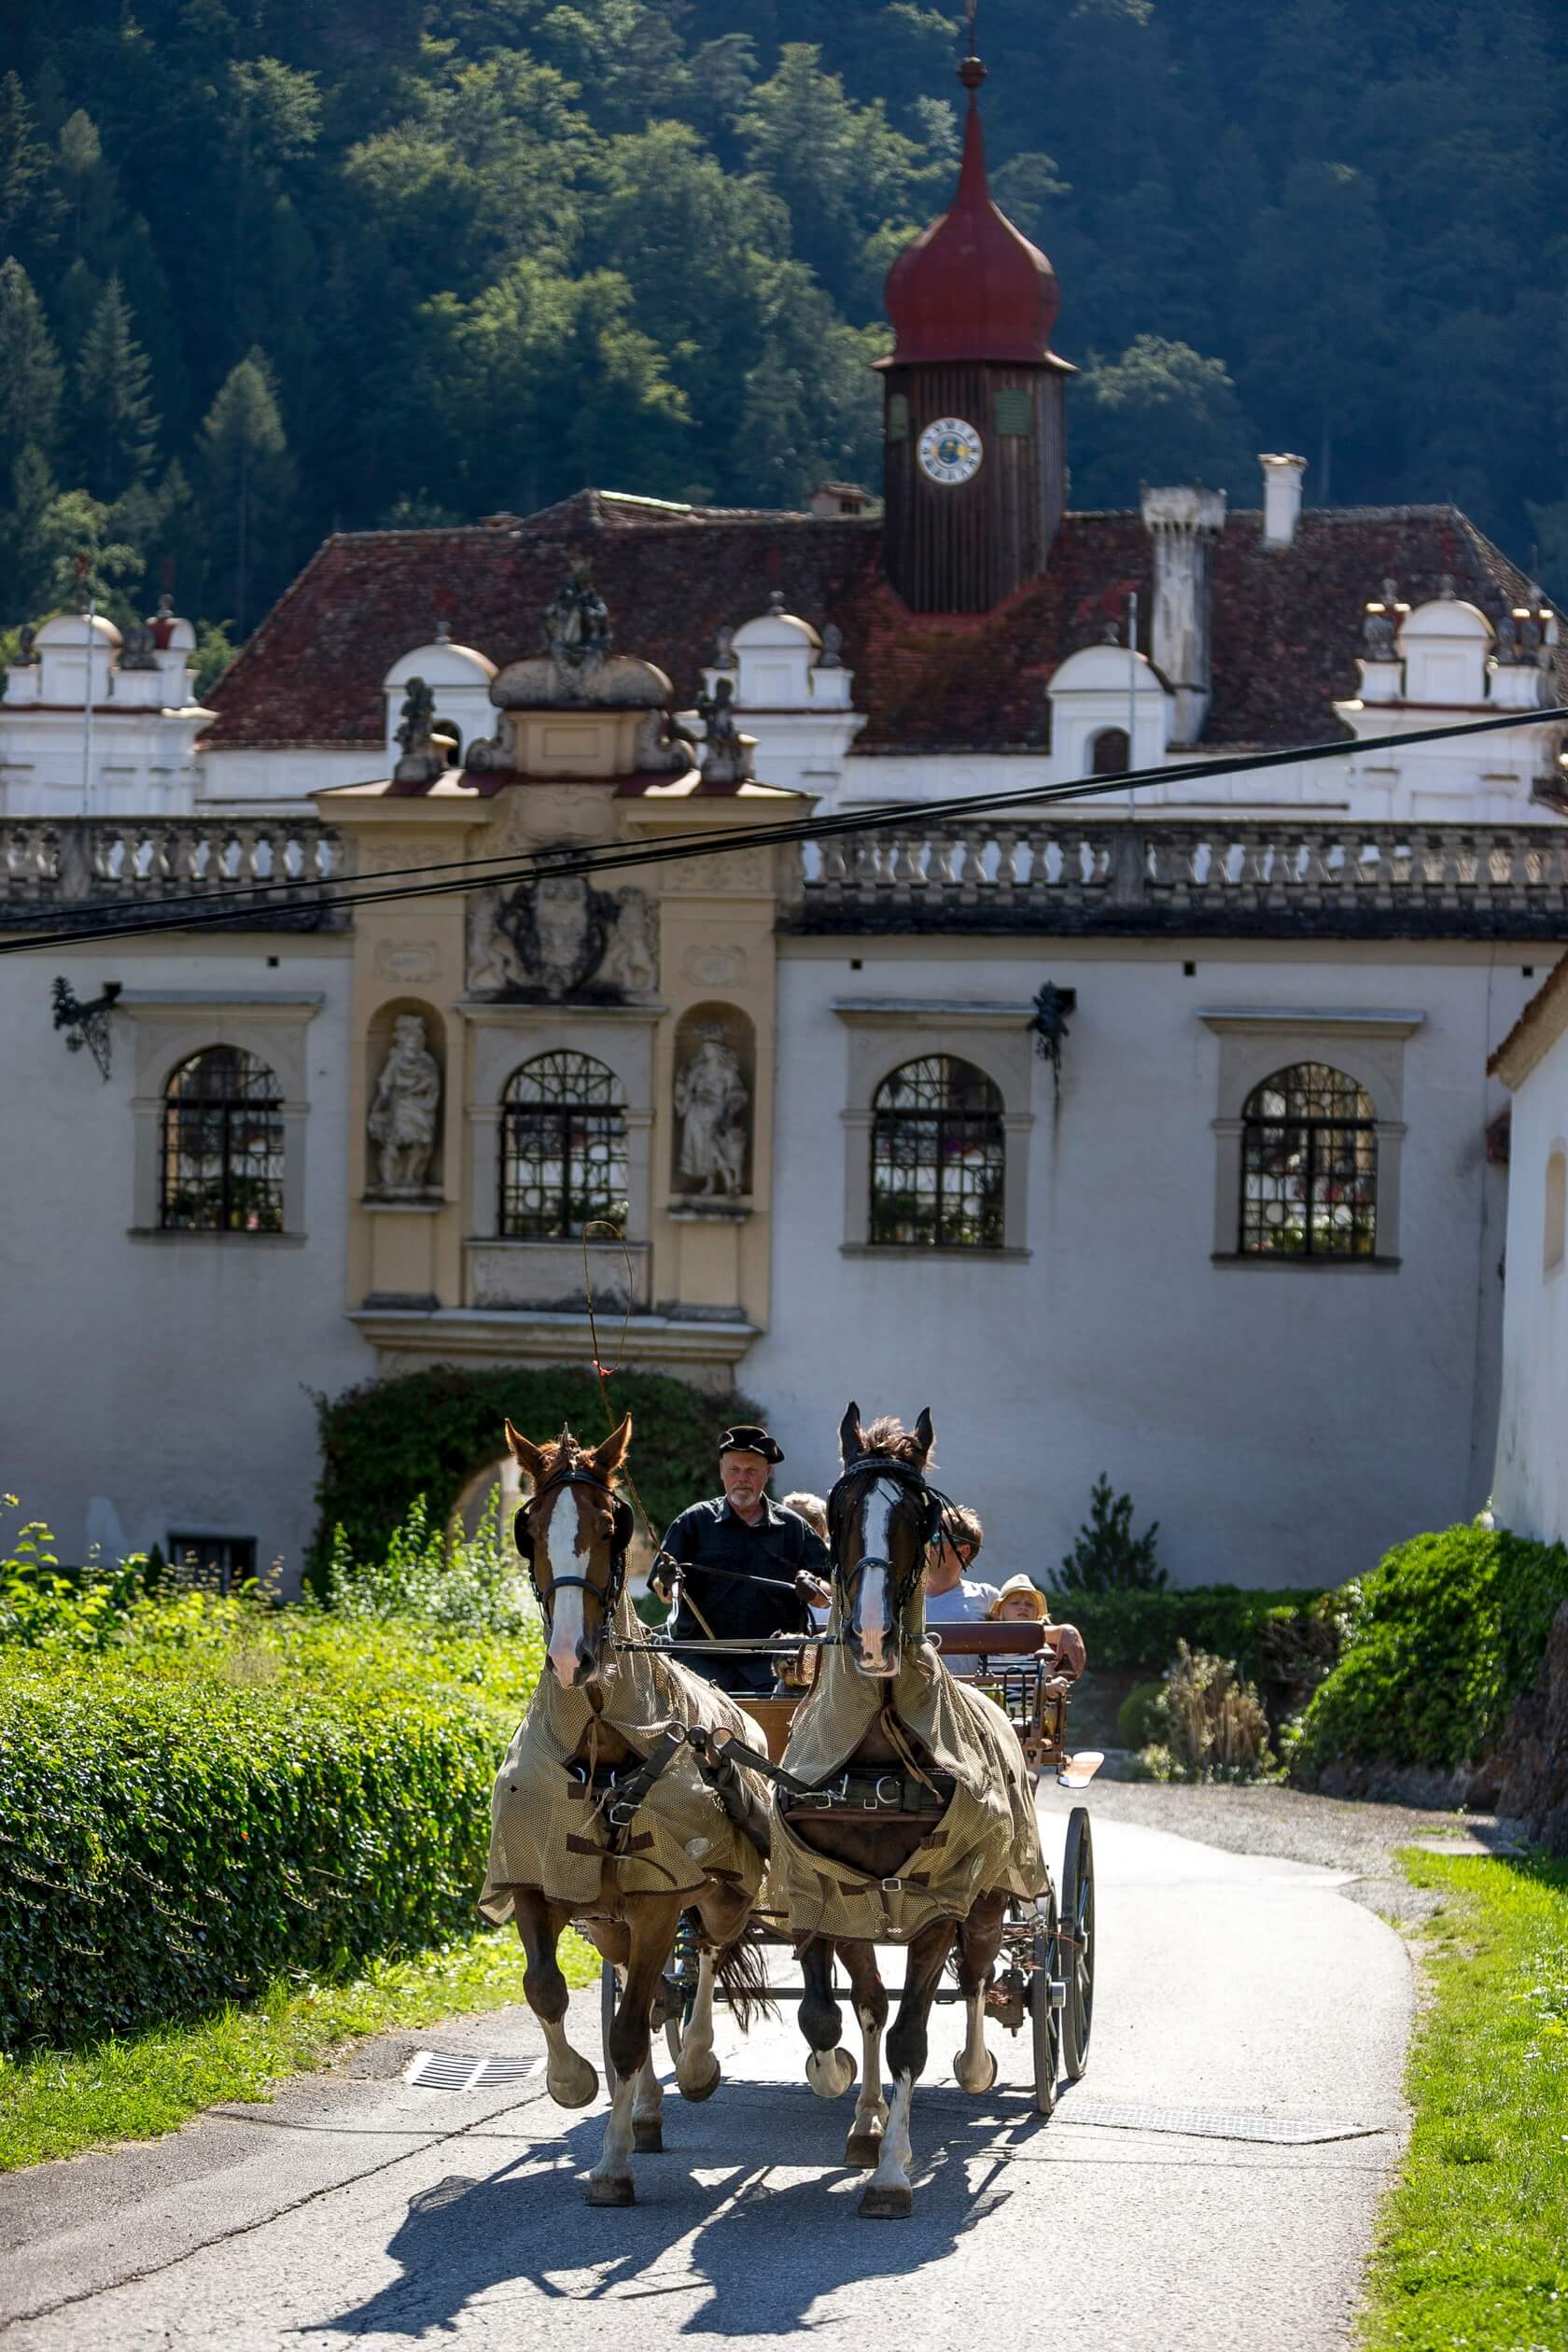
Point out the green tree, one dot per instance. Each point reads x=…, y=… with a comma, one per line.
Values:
x=114, y=429
x=1161, y=412
x=247, y=481
x=79, y=555
x=1107, y=1556
x=26, y=563
x=31, y=375
x=81, y=152
x=30, y=203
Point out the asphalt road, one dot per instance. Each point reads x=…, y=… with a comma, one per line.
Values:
x=1178, y=2198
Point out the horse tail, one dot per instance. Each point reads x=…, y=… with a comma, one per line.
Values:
x=741, y=1968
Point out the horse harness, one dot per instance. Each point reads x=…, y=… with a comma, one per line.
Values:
x=912, y=1487
x=624, y=1528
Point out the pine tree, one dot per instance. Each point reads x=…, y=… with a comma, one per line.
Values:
x=247, y=481
x=116, y=430
x=30, y=204
x=31, y=375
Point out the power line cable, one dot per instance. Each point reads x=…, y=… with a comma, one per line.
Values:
x=240, y=904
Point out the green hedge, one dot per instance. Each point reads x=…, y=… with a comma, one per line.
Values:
x=1444, y=1636
x=427, y=1434
x=1259, y=1630
x=178, y=1829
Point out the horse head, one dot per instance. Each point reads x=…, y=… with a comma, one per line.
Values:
x=879, y=1521
x=572, y=1533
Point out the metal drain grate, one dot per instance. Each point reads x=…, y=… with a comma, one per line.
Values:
x=1284, y=2131
x=455, y=2070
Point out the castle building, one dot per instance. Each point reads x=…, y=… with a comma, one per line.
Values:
x=1150, y=1133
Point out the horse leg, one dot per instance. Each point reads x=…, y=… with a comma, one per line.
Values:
x=888, y=2196
x=870, y=1997
x=979, y=1941
x=648, y=2109
x=650, y=1926
x=829, y=2069
x=569, y=2078
x=697, y=2070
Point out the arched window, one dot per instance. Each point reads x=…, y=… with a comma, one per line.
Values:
x=1557, y=1209
x=563, y=1148
x=937, y=1156
x=222, y=1145
x=1309, y=1166
x=1110, y=753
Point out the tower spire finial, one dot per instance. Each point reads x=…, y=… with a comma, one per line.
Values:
x=972, y=73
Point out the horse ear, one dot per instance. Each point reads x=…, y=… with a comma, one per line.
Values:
x=527, y=1457
x=924, y=1434
x=612, y=1453
x=851, y=1442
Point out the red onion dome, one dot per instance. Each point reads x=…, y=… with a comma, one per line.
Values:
x=972, y=287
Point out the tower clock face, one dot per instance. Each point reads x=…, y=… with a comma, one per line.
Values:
x=950, y=451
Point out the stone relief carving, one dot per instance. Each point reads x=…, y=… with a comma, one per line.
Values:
x=403, y=1113
x=559, y=936
x=715, y=967
x=712, y=1101
x=416, y=961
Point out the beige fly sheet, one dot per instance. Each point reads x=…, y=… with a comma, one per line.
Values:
x=550, y=1831
x=988, y=1835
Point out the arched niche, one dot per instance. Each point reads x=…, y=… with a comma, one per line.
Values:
x=714, y=1101
x=397, y=1166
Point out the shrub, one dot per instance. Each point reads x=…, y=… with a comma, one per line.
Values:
x=277, y=1790
x=1135, y=1716
x=388, y=1442
x=1208, y=1723
x=471, y=1585
x=1107, y=1557
x=1258, y=1629
x=1443, y=1637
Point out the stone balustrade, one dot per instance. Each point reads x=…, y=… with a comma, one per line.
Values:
x=52, y=869
x=1268, y=877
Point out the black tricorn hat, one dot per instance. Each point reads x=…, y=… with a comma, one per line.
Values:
x=746, y=1438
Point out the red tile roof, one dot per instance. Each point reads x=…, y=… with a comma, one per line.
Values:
x=1286, y=622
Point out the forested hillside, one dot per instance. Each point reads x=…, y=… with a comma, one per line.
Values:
x=274, y=267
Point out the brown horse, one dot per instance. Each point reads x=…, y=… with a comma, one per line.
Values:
x=580, y=1834
x=886, y=1713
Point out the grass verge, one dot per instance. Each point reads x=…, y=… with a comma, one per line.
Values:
x=1472, y=2246
x=60, y=2102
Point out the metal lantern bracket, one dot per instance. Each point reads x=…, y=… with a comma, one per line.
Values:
x=1052, y=1006
x=86, y=1024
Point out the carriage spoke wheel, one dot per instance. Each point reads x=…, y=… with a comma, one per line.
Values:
x=1078, y=1956
x=1044, y=2015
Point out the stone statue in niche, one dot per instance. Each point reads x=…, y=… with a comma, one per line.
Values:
x=559, y=936
x=404, y=1113
x=711, y=1100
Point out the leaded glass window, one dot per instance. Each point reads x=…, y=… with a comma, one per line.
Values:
x=937, y=1156
x=1309, y=1166
x=222, y=1145
x=563, y=1148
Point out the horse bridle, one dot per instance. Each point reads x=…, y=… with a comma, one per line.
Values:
x=623, y=1527
x=913, y=1487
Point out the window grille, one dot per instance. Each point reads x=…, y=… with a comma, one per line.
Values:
x=937, y=1157
x=564, y=1159
x=1309, y=1167
x=220, y=1560
x=223, y=1140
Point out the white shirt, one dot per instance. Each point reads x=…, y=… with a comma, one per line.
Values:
x=967, y=1603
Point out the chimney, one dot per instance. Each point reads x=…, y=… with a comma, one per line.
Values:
x=1183, y=525
x=1281, y=499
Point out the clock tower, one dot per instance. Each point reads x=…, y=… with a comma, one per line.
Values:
x=973, y=426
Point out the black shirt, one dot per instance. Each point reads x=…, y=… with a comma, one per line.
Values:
x=755, y=1595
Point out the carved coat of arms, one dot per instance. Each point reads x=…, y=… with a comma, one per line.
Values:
x=560, y=936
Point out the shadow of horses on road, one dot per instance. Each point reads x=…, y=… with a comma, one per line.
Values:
x=755, y=2256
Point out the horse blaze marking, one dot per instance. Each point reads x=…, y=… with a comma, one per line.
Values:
x=453, y=2070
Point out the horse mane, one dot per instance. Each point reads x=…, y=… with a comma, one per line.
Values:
x=888, y=1435
x=565, y=1453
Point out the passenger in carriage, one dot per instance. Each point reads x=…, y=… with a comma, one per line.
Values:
x=749, y=1567
x=953, y=1597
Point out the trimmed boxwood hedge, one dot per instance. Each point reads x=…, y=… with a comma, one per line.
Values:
x=1141, y=1629
x=1444, y=1636
x=178, y=1832
x=427, y=1434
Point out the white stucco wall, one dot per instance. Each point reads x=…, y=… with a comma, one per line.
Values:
x=1284, y=1425
x=153, y=1384
x=1531, y=1487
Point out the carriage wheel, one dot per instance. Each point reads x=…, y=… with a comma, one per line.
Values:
x=1045, y=2016
x=1078, y=1957
x=609, y=1992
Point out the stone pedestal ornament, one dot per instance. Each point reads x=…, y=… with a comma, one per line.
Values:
x=403, y=1114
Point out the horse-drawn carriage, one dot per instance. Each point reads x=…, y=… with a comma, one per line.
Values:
x=686, y=1833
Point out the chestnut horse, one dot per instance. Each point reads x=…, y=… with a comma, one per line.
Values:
x=879, y=1680
x=597, y=1719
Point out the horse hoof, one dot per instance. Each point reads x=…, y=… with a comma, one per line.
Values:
x=648, y=2139
x=703, y=2087
x=830, y=2072
x=574, y=2090
x=863, y=2148
x=886, y=2204
x=990, y=2082
x=611, y=2192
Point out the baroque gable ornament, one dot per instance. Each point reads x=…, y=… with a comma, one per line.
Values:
x=558, y=937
